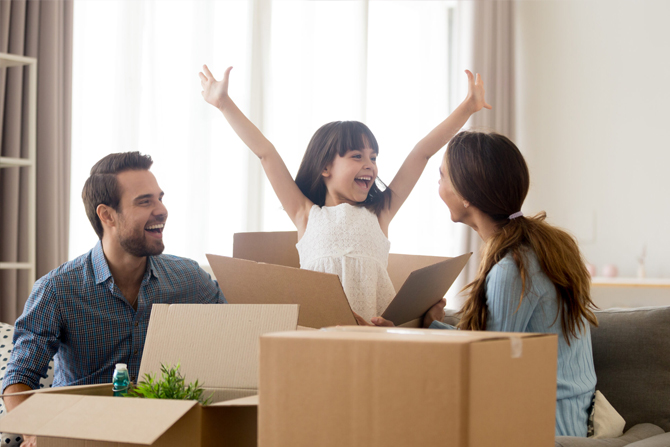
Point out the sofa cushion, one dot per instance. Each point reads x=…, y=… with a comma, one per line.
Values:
x=607, y=422
x=6, y=346
x=630, y=352
x=637, y=433
x=655, y=441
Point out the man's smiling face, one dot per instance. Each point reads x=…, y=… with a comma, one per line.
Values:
x=141, y=214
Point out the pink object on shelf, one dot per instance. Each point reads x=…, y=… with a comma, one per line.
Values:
x=591, y=269
x=610, y=271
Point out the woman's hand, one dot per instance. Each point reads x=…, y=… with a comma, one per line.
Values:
x=215, y=92
x=376, y=321
x=361, y=321
x=29, y=441
x=475, y=96
x=379, y=321
x=435, y=313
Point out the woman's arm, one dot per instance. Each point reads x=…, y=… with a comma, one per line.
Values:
x=416, y=161
x=292, y=199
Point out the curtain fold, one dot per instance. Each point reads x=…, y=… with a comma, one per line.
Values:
x=487, y=30
x=42, y=30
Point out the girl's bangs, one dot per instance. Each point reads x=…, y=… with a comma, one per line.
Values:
x=356, y=136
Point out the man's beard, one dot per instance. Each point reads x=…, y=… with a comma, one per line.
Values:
x=135, y=243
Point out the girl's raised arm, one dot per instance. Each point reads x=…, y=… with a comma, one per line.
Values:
x=292, y=199
x=416, y=161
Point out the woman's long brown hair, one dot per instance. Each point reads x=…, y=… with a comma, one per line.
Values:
x=488, y=170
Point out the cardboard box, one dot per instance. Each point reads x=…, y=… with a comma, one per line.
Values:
x=216, y=344
x=265, y=269
x=407, y=387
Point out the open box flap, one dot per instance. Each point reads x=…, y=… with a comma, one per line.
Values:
x=408, y=334
x=214, y=344
x=278, y=247
x=125, y=420
x=249, y=401
x=271, y=247
x=401, y=266
x=421, y=281
x=423, y=288
x=320, y=295
x=104, y=389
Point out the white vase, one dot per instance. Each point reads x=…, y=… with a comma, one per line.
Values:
x=641, y=273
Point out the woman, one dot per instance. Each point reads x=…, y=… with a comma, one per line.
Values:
x=531, y=277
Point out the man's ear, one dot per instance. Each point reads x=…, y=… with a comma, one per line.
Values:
x=326, y=172
x=466, y=204
x=107, y=215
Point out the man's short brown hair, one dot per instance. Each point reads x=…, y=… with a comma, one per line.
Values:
x=101, y=187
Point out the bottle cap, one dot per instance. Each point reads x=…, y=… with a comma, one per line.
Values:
x=121, y=366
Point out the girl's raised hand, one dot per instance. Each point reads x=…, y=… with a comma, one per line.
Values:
x=476, y=92
x=215, y=92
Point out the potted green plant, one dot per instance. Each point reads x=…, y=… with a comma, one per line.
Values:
x=171, y=385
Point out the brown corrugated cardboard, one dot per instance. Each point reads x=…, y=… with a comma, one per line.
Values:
x=399, y=387
x=249, y=282
x=271, y=247
x=217, y=344
x=103, y=418
x=278, y=247
x=265, y=269
x=418, y=292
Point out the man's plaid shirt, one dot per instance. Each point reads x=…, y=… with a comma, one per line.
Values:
x=77, y=313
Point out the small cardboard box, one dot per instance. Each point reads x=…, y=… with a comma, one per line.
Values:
x=265, y=269
x=216, y=344
x=378, y=387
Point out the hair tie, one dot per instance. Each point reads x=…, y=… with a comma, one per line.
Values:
x=515, y=215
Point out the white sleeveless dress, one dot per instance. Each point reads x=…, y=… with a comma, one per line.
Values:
x=347, y=240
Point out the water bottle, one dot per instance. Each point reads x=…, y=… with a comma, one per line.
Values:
x=121, y=379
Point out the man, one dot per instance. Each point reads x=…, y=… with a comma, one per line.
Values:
x=93, y=312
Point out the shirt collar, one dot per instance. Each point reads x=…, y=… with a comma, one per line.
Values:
x=101, y=268
x=152, y=267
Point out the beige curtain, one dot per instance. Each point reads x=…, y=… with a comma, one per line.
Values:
x=40, y=29
x=488, y=31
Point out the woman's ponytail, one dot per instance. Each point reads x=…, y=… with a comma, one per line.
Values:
x=559, y=258
x=488, y=170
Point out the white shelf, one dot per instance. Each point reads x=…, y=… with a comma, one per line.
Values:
x=15, y=266
x=14, y=60
x=29, y=126
x=8, y=162
x=601, y=281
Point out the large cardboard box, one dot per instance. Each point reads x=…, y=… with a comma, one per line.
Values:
x=377, y=387
x=265, y=269
x=216, y=344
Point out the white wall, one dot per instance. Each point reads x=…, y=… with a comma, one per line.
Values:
x=593, y=84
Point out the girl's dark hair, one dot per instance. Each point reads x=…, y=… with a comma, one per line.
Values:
x=488, y=170
x=101, y=187
x=331, y=140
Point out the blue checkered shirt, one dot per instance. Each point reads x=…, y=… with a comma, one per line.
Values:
x=77, y=313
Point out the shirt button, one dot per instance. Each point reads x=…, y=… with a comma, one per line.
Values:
x=132, y=378
x=135, y=352
x=137, y=324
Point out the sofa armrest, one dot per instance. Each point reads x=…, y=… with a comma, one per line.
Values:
x=655, y=441
x=636, y=436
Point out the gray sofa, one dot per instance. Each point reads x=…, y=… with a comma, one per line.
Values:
x=631, y=353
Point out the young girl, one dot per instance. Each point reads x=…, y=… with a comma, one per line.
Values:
x=341, y=215
x=531, y=278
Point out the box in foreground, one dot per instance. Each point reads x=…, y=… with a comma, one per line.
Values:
x=399, y=387
x=216, y=344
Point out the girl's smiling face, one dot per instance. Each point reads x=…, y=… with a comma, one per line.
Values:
x=349, y=178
